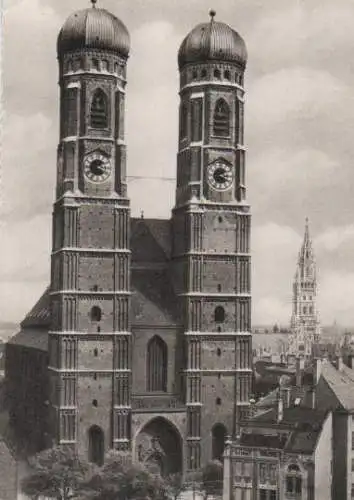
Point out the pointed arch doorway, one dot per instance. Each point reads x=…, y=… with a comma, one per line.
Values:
x=159, y=447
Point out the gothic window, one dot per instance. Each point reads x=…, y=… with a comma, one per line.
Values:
x=99, y=110
x=183, y=121
x=218, y=401
x=311, y=310
x=69, y=65
x=227, y=75
x=217, y=74
x=95, y=64
x=218, y=441
x=105, y=65
x=96, y=445
x=203, y=74
x=293, y=480
x=221, y=119
x=95, y=352
x=156, y=365
x=197, y=119
x=219, y=314
x=96, y=313
x=218, y=352
x=194, y=75
x=69, y=104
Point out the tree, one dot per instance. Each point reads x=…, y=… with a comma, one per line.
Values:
x=212, y=479
x=57, y=473
x=118, y=480
x=175, y=485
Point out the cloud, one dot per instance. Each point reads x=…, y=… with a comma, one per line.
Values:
x=24, y=265
x=334, y=237
x=299, y=116
x=291, y=94
x=29, y=163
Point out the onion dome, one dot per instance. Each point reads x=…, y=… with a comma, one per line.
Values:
x=213, y=41
x=93, y=28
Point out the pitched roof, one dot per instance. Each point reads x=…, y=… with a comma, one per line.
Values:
x=39, y=315
x=150, y=240
x=297, y=432
x=31, y=338
x=341, y=383
x=153, y=299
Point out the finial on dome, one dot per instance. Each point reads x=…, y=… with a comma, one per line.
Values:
x=93, y=3
x=212, y=14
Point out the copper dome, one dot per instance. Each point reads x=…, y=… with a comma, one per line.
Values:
x=93, y=28
x=213, y=41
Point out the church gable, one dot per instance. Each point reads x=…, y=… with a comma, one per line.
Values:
x=150, y=240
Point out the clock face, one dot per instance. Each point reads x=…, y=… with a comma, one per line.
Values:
x=97, y=167
x=220, y=176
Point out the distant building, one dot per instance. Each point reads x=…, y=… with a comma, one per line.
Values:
x=281, y=454
x=305, y=326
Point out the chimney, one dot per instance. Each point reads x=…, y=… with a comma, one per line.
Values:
x=287, y=397
x=299, y=369
x=280, y=409
x=318, y=370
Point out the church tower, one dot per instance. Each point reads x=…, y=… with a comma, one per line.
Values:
x=305, y=325
x=89, y=338
x=211, y=238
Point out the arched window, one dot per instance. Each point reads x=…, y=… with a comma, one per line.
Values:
x=219, y=314
x=221, y=119
x=217, y=74
x=69, y=66
x=203, y=74
x=294, y=480
x=105, y=65
x=96, y=313
x=99, y=110
x=96, y=445
x=183, y=120
x=227, y=75
x=218, y=441
x=156, y=365
x=95, y=64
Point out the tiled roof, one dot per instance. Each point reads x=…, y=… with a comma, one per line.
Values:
x=31, y=338
x=39, y=316
x=150, y=240
x=300, y=429
x=341, y=382
x=153, y=300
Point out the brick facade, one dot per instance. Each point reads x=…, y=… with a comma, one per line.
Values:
x=149, y=321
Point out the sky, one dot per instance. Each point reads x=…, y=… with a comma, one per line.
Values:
x=298, y=131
